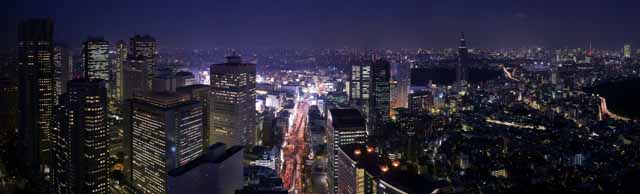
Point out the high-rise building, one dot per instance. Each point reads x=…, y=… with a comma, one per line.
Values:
x=163, y=131
x=380, y=97
x=463, y=60
x=420, y=101
x=401, y=76
x=344, y=126
x=63, y=63
x=134, y=79
x=199, y=92
x=36, y=94
x=118, y=66
x=95, y=56
x=627, y=51
x=81, y=148
x=143, y=50
x=232, y=102
x=360, y=80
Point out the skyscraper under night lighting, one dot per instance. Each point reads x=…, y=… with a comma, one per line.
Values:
x=36, y=94
x=232, y=102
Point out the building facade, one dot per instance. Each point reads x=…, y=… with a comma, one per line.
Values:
x=344, y=126
x=81, y=151
x=232, y=102
x=164, y=131
x=36, y=94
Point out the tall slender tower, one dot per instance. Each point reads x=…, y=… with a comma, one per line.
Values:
x=36, y=94
x=118, y=63
x=81, y=151
x=143, y=50
x=232, y=102
x=380, y=99
x=461, y=67
x=63, y=63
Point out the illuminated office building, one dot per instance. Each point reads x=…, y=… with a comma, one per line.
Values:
x=143, y=51
x=627, y=51
x=63, y=63
x=81, y=149
x=95, y=55
x=232, y=102
x=420, y=101
x=163, y=131
x=36, y=94
x=344, y=126
x=118, y=63
x=380, y=99
x=360, y=80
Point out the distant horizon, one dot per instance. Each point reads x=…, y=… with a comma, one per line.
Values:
x=336, y=24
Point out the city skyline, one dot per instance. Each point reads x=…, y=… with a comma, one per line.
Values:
x=138, y=114
x=327, y=24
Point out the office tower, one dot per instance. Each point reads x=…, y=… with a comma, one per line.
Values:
x=344, y=126
x=232, y=102
x=380, y=97
x=81, y=149
x=95, y=57
x=401, y=76
x=134, y=79
x=200, y=92
x=627, y=51
x=143, y=50
x=118, y=65
x=420, y=101
x=360, y=80
x=63, y=63
x=219, y=171
x=461, y=66
x=36, y=94
x=358, y=169
x=185, y=78
x=163, y=131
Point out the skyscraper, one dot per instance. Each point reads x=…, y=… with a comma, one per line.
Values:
x=143, y=50
x=118, y=66
x=163, y=131
x=63, y=63
x=344, y=126
x=95, y=56
x=380, y=99
x=81, y=149
x=401, y=76
x=420, y=101
x=232, y=102
x=461, y=66
x=627, y=51
x=360, y=80
x=36, y=94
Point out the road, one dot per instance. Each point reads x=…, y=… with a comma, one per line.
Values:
x=605, y=111
x=294, y=149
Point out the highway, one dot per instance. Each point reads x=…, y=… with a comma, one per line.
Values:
x=605, y=111
x=294, y=149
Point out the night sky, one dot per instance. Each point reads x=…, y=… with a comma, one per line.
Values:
x=336, y=23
